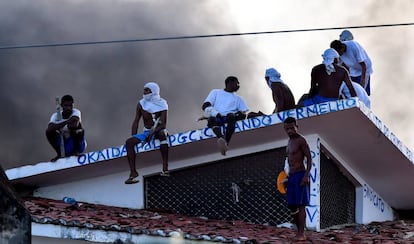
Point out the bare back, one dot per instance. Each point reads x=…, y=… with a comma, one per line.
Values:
x=328, y=85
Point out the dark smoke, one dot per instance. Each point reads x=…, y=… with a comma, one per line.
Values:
x=107, y=80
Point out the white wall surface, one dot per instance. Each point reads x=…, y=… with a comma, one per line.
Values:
x=374, y=208
x=107, y=190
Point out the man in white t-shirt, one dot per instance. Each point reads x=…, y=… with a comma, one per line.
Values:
x=356, y=60
x=224, y=106
x=66, y=125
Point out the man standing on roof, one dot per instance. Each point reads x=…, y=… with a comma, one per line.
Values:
x=66, y=125
x=298, y=194
x=153, y=111
x=326, y=79
x=224, y=106
x=282, y=95
x=356, y=61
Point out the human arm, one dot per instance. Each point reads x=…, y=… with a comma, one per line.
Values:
x=162, y=121
x=135, y=123
x=209, y=104
x=307, y=154
x=73, y=122
x=348, y=83
x=209, y=110
x=363, y=73
x=242, y=109
x=314, y=84
x=159, y=123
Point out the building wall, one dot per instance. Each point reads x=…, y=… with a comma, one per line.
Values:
x=108, y=190
x=374, y=207
x=15, y=219
x=369, y=205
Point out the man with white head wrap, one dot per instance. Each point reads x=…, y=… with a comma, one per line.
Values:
x=356, y=60
x=153, y=111
x=282, y=95
x=326, y=79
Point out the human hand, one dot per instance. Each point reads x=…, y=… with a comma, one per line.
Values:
x=363, y=81
x=305, y=180
x=148, y=137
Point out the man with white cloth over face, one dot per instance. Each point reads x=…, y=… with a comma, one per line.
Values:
x=224, y=106
x=326, y=79
x=153, y=111
x=282, y=95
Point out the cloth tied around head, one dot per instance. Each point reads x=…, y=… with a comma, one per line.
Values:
x=346, y=35
x=329, y=57
x=152, y=102
x=274, y=76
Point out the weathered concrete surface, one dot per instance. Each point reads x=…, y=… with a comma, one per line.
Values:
x=15, y=220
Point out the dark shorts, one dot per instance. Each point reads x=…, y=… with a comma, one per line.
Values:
x=142, y=136
x=318, y=99
x=230, y=118
x=297, y=195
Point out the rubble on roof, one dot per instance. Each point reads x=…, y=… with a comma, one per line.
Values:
x=166, y=224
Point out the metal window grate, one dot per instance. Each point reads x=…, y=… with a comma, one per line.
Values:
x=241, y=188
x=337, y=195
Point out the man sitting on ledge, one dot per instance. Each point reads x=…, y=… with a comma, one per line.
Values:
x=224, y=106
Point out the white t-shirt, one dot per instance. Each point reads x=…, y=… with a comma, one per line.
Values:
x=54, y=118
x=226, y=102
x=354, y=55
x=360, y=91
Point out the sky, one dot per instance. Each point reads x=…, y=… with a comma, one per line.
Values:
x=107, y=80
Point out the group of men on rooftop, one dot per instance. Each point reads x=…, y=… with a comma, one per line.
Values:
x=345, y=72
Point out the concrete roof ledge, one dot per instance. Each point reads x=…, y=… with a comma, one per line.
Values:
x=333, y=121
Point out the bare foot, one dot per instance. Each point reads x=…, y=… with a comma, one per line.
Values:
x=300, y=237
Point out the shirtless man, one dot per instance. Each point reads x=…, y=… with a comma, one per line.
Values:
x=298, y=182
x=326, y=79
x=153, y=111
x=282, y=95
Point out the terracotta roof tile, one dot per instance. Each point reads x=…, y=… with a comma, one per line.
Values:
x=166, y=224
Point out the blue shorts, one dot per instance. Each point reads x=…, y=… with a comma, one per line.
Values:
x=70, y=145
x=297, y=195
x=318, y=99
x=143, y=135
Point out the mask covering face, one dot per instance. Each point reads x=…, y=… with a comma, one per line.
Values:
x=147, y=97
